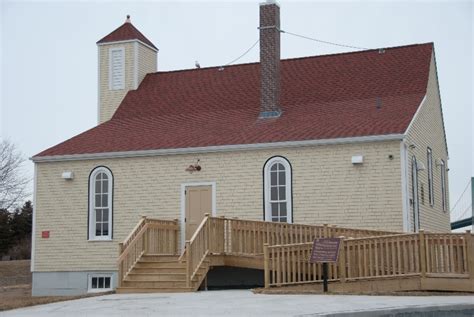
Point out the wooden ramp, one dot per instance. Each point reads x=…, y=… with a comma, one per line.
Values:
x=150, y=259
x=418, y=261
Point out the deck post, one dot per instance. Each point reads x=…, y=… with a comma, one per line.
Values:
x=176, y=236
x=188, y=263
x=208, y=231
x=145, y=238
x=120, y=268
x=422, y=253
x=325, y=231
x=342, y=261
x=266, y=265
x=470, y=253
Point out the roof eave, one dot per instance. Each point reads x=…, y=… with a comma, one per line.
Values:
x=218, y=148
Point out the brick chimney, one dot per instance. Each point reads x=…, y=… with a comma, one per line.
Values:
x=270, y=59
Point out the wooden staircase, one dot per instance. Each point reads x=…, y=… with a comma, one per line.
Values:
x=150, y=259
x=161, y=274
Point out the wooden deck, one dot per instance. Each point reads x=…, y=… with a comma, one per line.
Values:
x=369, y=260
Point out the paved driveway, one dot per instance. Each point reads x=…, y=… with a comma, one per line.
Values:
x=231, y=303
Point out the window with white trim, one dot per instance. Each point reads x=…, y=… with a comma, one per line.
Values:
x=116, y=68
x=100, y=283
x=443, y=185
x=415, y=199
x=277, y=189
x=429, y=159
x=100, y=204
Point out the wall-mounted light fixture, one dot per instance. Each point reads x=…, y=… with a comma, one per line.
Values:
x=67, y=175
x=194, y=167
x=420, y=166
x=357, y=159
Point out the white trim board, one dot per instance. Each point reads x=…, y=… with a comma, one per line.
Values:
x=98, y=85
x=219, y=148
x=135, y=65
x=33, y=229
x=183, y=205
x=405, y=189
x=128, y=41
x=416, y=115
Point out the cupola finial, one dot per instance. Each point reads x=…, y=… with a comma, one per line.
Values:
x=128, y=19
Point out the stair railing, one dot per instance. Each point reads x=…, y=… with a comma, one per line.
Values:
x=152, y=236
x=197, y=249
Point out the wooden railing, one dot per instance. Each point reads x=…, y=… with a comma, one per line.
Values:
x=232, y=236
x=381, y=256
x=419, y=254
x=248, y=237
x=197, y=249
x=284, y=250
x=446, y=253
x=289, y=264
x=151, y=236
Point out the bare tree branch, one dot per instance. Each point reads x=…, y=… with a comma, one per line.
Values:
x=13, y=182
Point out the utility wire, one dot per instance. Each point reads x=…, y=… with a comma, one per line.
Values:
x=325, y=42
x=297, y=35
x=465, y=212
x=245, y=53
x=462, y=195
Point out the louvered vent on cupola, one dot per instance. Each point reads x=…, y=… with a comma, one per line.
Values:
x=117, y=68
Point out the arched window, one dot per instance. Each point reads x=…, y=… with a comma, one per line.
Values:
x=277, y=190
x=443, y=186
x=416, y=203
x=429, y=156
x=100, y=204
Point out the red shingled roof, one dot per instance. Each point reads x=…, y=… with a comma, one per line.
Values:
x=323, y=97
x=126, y=32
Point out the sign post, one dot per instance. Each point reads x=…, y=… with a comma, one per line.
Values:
x=325, y=277
x=325, y=250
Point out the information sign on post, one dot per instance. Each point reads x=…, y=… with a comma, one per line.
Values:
x=325, y=250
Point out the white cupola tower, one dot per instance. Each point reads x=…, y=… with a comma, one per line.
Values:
x=125, y=57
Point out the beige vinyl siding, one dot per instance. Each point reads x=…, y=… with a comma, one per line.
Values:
x=327, y=188
x=109, y=100
x=147, y=62
x=427, y=131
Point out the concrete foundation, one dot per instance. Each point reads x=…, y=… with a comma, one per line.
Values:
x=65, y=283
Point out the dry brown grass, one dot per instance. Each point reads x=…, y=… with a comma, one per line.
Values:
x=15, y=293
x=18, y=296
x=15, y=272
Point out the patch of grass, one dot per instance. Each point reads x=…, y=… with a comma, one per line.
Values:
x=15, y=287
x=18, y=296
x=12, y=267
x=15, y=272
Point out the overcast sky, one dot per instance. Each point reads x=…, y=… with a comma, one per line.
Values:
x=49, y=56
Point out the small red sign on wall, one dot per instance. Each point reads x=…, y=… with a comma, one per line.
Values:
x=45, y=234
